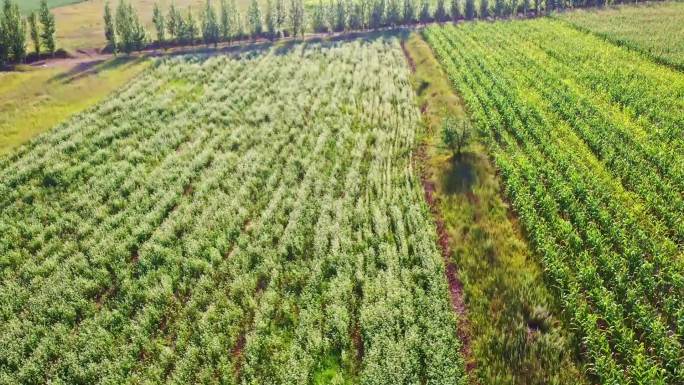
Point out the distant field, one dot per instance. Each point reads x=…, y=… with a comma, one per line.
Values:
x=29, y=5
x=34, y=101
x=655, y=28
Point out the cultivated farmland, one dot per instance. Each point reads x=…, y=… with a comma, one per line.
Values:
x=251, y=219
x=656, y=29
x=587, y=136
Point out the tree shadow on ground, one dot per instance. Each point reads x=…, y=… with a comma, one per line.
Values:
x=459, y=176
x=93, y=67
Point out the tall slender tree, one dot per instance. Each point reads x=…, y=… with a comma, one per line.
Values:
x=4, y=41
x=211, y=31
x=271, y=31
x=425, y=16
x=340, y=16
x=254, y=17
x=173, y=23
x=318, y=24
x=159, y=24
x=455, y=10
x=12, y=33
x=226, y=21
x=238, y=21
x=123, y=27
x=34, y=31
x=499, y=8
x=280, y=17
x=484, y=8
x=139, y=34
x=394, y=8
x=190, y=28
x=130, y=31
x=440, y=12
x=377, y=15
x=356, y=16
x=469, y=9
x=409, y=16
x=110, y=32
x=47, y=35
x=297, y=17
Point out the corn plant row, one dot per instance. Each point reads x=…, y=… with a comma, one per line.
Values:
x=251, y=219
x=588, y=215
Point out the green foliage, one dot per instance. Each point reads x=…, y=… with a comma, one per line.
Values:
x=238, y=22
x=469, y=9
x=159, y=23
x=484, y=9
x=129, y=30
x=440, y=12
x=393, y=12
x=516, y=328
x=296, y=15
x=377, y=14
x=211, y=30
x=653, y=29
x=318, y=23
x=340, y=20
x=110, y=32
x=271, y=17
x=12, y=34
x=47, y=35
x=455, y=10
x=226, y=21
x=189, y=30
x=34, y=32
x=356, y=17
x=425, y=16
x=499, y=8
x=174, y=22
x=455, y=134
x=409, y=11
x=280, y=15
x=254, y=19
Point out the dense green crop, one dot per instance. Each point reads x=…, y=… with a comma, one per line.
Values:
x=588, y=138
x=656, y=29
x=220, y=220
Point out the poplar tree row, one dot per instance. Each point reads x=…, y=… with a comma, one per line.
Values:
x=13, y=31
x=222, y=20
x=124, y=32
